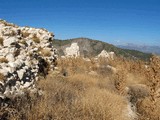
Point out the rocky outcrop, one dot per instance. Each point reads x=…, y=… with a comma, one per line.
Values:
x=25, y=53
x=105, y=54
x=72, y=51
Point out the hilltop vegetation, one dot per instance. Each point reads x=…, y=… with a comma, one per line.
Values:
x=91, y=48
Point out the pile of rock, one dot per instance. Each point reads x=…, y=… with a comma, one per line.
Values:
x=25, y=53
x=72, y=51
x=105, y=54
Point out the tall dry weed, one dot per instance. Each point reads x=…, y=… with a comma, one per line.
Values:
x=149, y=107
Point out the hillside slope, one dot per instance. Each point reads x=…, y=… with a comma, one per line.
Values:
x=89, y=47
x=143, y=48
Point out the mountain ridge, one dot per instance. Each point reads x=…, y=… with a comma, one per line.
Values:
x=91, y=48
x=155, y=49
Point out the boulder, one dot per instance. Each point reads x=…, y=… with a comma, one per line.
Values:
x=105, y=54
x=10, y=57
x=72, y=51
x=24, y=61
x=7, y=42
x=21, y=73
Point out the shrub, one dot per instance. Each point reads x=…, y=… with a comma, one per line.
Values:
x=149, y=107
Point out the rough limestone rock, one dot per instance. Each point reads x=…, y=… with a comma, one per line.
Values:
x=105, y=54
x=8, y=41
x=72, y=51
x=10, y=57
x=25, y=53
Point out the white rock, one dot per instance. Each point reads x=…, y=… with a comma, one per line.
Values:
x=111, y=54
x=8, y=69
x=22, y=56
x=131, y=111
x=19, y=62
x=47, y=44
x=72, y=51
x=7, y=92
x=105, y=54
x=23, y=60
x=10, y=57
x=29, y=42
x=12, y=64
x=9, y=41
x=27, y=84
x=35, y=49
x=12, y=50
x=4, y=71
x=21, y=73
x=28, y=63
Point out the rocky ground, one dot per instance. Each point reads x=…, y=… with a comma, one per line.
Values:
x=25, y=54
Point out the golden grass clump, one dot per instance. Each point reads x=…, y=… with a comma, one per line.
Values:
x=45, y=52
x=1, y=76
x=120, y=82
x=35, y=39
x=78, y=97
x=70, y=65
x=3, y=60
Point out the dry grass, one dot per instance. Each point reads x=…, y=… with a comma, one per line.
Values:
x=35, y=39
x=150, y=106
x=72, y=93
x=78, y=97
x=45, y=52
x=3, y=60
x=1, y=77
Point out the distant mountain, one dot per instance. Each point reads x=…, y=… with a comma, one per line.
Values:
x=142, y=48
x=89, y=47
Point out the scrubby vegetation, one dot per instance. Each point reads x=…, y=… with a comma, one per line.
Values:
x=90, y=48
x=94, y=89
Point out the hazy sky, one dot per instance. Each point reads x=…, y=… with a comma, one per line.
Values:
x=113, y=21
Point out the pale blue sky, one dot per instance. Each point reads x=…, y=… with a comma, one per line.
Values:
x=113, y=21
